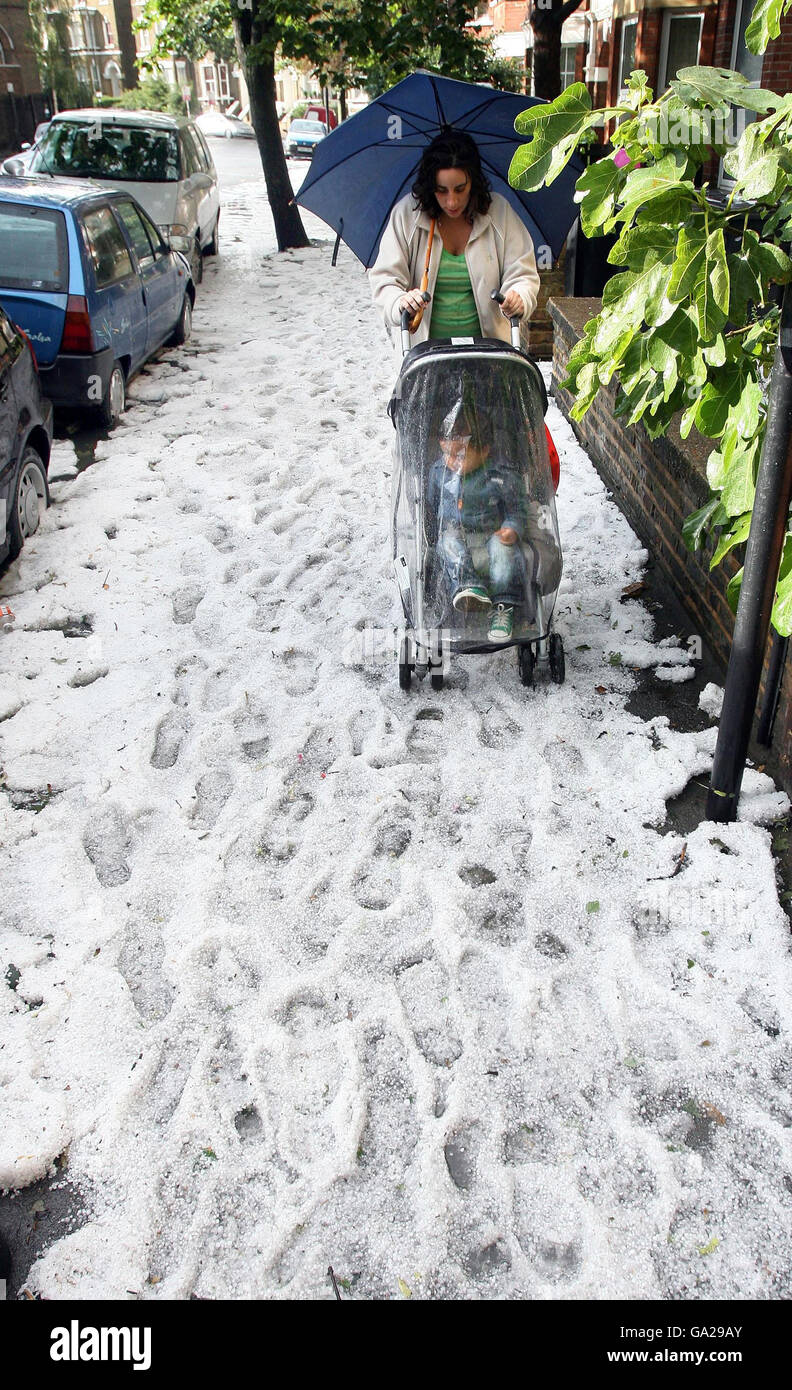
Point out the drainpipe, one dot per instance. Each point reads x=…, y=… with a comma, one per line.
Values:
x=591, y=57
x=762, y=559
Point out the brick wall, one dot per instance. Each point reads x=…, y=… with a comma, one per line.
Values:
x=657, y=483
x=777, y=67
x=537, y=334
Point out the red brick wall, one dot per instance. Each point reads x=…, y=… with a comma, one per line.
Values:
x=507, y=16
x=777, y=69
x=657, y=483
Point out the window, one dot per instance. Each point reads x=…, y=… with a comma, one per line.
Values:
x=106, y=247
x=679, y=45
x=193, y=160
x=225, y=90
x=750, y=65
x=105, y=150
x=6, y=50
x=181, y=72
x=210, y=83
x=136, y=232
x=33, y=249
x=153, y=233
x=629, y=33
x=568, y=55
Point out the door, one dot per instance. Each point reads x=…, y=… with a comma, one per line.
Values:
x=117, y=308
x=163, y=291
x=679, y=44
x=202, y=186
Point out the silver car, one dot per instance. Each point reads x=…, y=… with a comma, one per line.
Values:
x=164, y=161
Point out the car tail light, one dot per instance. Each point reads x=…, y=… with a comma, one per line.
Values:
x=77, y=331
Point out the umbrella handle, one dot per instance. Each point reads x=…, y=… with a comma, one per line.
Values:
x=410, y=321
x=419, y=313
x=514, y=321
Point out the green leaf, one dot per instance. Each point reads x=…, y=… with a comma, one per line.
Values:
x=716, y=85
x=740, y=470
x=733, y=590
x=596, y=191
x=643, y=244
x=782, y=607
x=715, y=354
x=765, y=23
x=736, y=536
x=745, y=286
x=689, y=262
x=746, y=417
x=695, y=525
x=562, y=116
x=644, y=185
x=680, y=332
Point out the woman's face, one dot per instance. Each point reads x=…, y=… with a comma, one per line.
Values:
x=452, y=191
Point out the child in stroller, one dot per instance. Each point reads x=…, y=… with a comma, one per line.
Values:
x=487, y=539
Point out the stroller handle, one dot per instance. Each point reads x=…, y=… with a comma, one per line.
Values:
x=514, y=321
x=406, y=318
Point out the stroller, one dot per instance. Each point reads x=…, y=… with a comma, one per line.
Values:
x=473, y=507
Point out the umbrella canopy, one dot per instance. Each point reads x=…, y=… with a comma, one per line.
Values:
x=361, y=169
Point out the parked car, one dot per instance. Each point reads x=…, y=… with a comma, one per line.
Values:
x=222, y=127
x=25, y=440
x=163, y=160
x=316, y=111
x=303, y=137
x=88, y=276
x=28, y=150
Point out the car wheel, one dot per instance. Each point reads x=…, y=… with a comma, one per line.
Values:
x=214, y=245
x=196, y=262
x=30, y=498
x=114, y=402
x=181, y=332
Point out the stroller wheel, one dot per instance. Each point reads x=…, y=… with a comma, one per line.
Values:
x=437, y=680
x=405, y=668
x=525, y=664
x=556, y=657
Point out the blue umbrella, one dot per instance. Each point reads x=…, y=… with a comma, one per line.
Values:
x=364, y=166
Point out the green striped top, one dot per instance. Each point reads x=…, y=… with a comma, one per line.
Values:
x=454, y=313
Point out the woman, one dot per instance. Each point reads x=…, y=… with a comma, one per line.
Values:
x=478, y=245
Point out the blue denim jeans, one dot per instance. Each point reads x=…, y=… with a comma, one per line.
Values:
x=483, y=561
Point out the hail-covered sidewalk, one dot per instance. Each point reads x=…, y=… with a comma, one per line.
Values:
x=299, y=970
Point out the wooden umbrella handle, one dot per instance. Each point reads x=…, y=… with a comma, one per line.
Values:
x=419, y=313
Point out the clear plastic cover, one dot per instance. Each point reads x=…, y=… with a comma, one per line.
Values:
x=473, y=511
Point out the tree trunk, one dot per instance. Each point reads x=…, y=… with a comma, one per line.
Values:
x=547, y=18
x=342, y=97
x=546, y=55
x=260, y=77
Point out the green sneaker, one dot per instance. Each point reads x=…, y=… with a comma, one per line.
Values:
x=501, y=624
x=472, y=599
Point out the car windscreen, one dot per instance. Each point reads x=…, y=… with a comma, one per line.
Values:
x=307, y=127
x=33, y=249
x=106, y=150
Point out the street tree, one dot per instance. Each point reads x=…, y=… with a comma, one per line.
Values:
x=547, y=20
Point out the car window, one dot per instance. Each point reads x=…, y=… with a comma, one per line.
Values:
x=33, y=249
x=192, y=163
x=205, y=148
x=104, y=150
x=137, y=233
x=106, y=246
x=160, y=249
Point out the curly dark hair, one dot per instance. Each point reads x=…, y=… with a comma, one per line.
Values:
x=452, y=149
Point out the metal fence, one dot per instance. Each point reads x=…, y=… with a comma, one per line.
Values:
x=19, y=117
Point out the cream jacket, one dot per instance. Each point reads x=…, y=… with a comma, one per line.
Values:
x=499, y=256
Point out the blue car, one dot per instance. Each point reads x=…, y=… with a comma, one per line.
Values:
x=87, y=276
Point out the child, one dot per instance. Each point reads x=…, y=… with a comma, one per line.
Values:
x=481, y=512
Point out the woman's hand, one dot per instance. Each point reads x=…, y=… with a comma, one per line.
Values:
x=512, y=306
x=412, y=300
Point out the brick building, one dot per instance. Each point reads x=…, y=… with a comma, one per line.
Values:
x=22, y=104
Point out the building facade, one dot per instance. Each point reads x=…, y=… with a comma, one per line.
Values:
x=22, y=103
